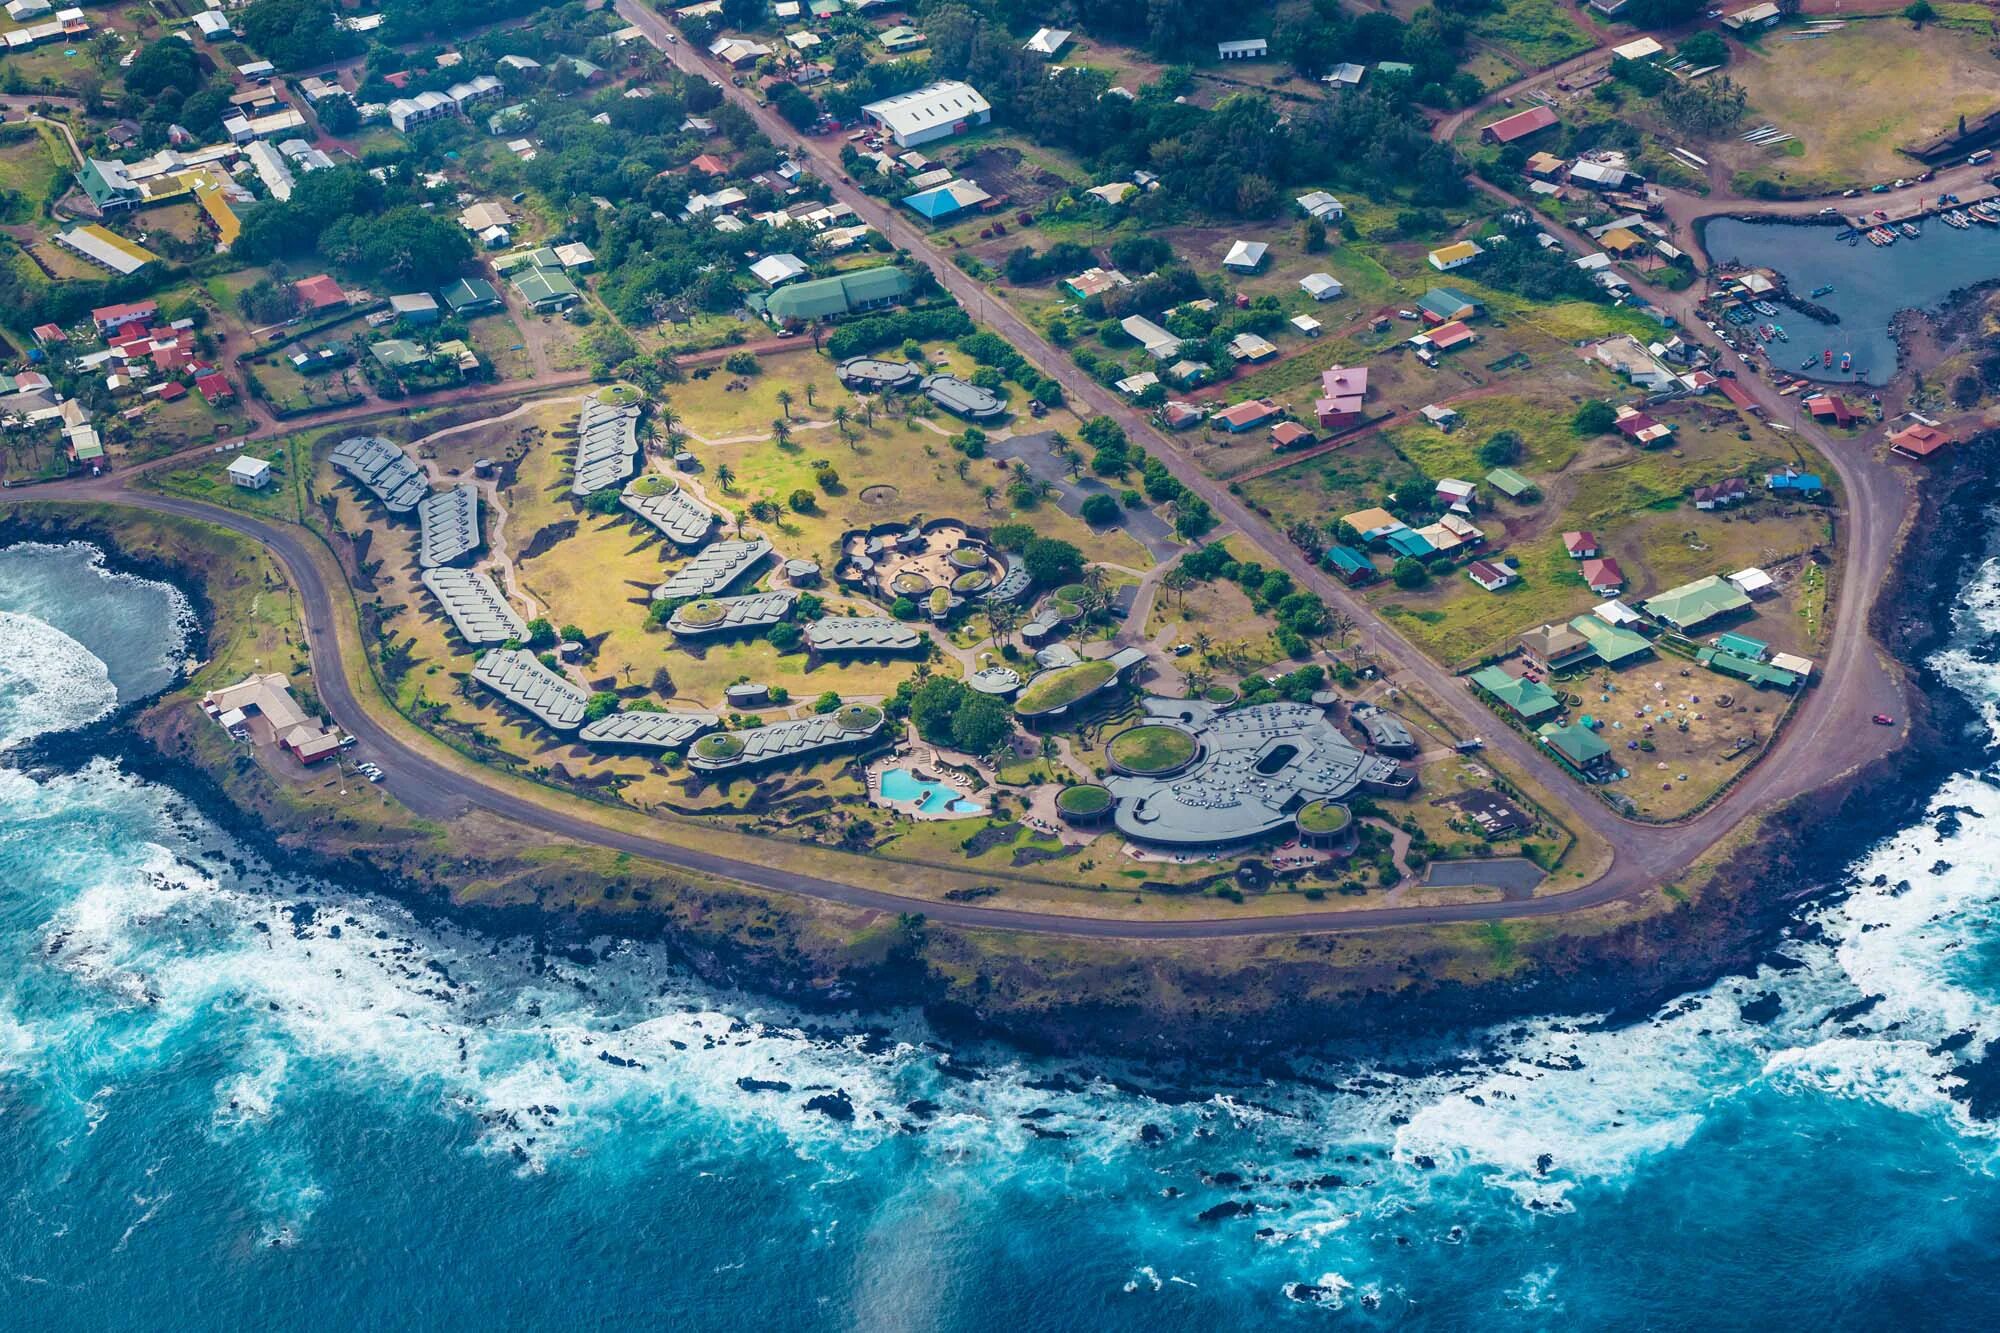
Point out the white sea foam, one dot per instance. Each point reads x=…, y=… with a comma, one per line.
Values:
x=48, y=681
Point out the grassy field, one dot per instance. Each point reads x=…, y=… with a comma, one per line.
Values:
x=32, y=159
x=1538, y=33
x=1895, y=85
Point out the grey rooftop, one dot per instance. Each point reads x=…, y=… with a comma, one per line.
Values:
x=753, y=611
x=448, y=524
x=659, y=731
x=384, y=469
x=713, y=569
x=788, y=740
x=476, y=608
x=517, y=676
x=674, y=512
x=607, y=447
x=963, y=398
x=870, y=374
x=861, y=634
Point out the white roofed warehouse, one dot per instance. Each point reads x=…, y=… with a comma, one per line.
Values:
x=935, y=112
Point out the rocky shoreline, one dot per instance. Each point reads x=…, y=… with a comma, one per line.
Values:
x=1733, y=923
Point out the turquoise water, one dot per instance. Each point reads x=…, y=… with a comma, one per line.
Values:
x=231, y=1098
x=932, y=797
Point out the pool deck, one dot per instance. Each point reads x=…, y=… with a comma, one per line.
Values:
x=914, y=762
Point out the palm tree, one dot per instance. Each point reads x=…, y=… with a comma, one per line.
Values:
x=868, y=413
x=811, y=389
x=1175, y=583
x=781, y=431
x=987, y=493
x=785, y=402
x=724, y=476
x=840, y=415
x=1020, y=470
x=964, y=467
x=1203, y=643
x=1001, y=619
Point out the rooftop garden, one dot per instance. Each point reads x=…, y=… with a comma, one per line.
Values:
x=1052, y=690
x=718, y=745
x=1151, y=749
x=1088, y=799
x=1324, y=817
x=858, y=717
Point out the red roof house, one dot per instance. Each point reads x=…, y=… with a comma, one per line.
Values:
x=1580, y=545
x=1179, y=416
x=1246, y=416
x=1447, y=336
x=1738, y=395
x=1488, y=575
x=1518, y=126
x=1604, y=576
x=1918, y=441
x=214, y=388
x=1290, y=435
x=1830, y=407
x=109, y=317
x=708, y=164
x=173, y=391
x=319, y=291
x=47, y=334
x=1342, y=390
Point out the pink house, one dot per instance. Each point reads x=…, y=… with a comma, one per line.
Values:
x=1342, y=390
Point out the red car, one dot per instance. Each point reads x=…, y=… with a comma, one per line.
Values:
x=1884, y=720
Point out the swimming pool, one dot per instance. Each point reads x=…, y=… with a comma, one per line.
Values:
x=932, y=797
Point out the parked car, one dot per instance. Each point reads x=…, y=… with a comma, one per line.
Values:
x=1883, y=720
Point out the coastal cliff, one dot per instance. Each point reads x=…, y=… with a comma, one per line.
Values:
x=1241, y=999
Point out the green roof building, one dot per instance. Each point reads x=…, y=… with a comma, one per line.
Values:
x=1744, y=668
x=471, y=296
x=1441, y=305
x=1509, y=482
x=841, y=294
x=1528, y=698
x=1580, y=749
x=1694, y=604
x=543, y=290
x=1742, y=645
x=1615, y=646
x=1409, y=542
x=397, y=353
x=541, y=256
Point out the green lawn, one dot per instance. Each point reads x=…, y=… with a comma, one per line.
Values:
x=1538, y=33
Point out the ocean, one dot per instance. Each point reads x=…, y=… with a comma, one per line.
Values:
x=231, y=1098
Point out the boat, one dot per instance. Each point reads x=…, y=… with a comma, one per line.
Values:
x=1764, y=308
x=1822, y=291
x=1846, y=362
x=1783, y=337
x=1911, y=230
x=1955, y=219
x=1826, y=357
x=1809, y=363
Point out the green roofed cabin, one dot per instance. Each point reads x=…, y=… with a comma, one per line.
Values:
x=1352, y=566
x=1695, y=604
x=1442, y=305
x=544, y=290
x=841, y=294
x=1614, y=646
x=1745, y=668
x=1407, y=541
x=1528, y=698
x=471, y=296
x=1509, y=482
x=1742, y=645
x=1581, y=750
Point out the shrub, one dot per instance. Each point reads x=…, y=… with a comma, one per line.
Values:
x=1596, y=416
x=1100, y=510
x=801, y=501
x=1408, y=573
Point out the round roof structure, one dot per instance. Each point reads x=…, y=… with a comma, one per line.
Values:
x=1151, y=749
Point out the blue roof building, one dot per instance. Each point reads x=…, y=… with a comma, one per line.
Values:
x=1350, y=564
x=1409, y=542
x=947, y=200
x=1801, y=483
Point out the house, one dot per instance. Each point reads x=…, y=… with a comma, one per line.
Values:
x=1789, y=482
x=1742, y=645
x=1134, y=385
x=1342, y=391
x=575, y=255
x=1047, y=42
x=1159, y=344
x=1319, y=204
x=483, y=217
x=900, y=38
x=252, y=474
x=212, y=23
x=1510, y=129
x=1246, y=415
x=1442, y=305
x=1179, y=416
x=1373, y=524
x=1321, y=286
x=1802, y=667
x=1291, y=435
x=1645, y=48
x=1830, y=407
x=777, y=270
x=1407, y=542
x=1692, y=605
x=471, y=296
x=108, y=319
x=1529, y=699
x=1739, y=397
x=1580, y=749
x=406, y=113
x=1444, y=338
x=1722, y=495
x=414, y=307
x=708, y=164
x=1251, y=48
x=1598, y=176
x=49, y=335
x=106, y=248
x=736, y=52
x=1252, y=347
x=319, y=292
x=1580, y=545
x=1544, y=166
x=1604, y=576
x=213, y=388
x=1095, y=282
x=1640, y=427
x=543, y=289
x=936, y=111
x=1509, y=482
x=1347, y=74
x=1918, y=441
x=1488, y=575
x=1615, y=612
x=1456, y=255
x=946, y=200
x=1757, y=673
x=1460, y=496
x=1753, y=18
x=1245, y=256
x=1753, y=582
x=482, y=88
x=1444, y=418
x=1307, y=325
x=1553, y=647
x=841, y=294
x=1351, y=565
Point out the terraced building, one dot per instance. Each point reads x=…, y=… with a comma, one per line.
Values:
x=383, y=469
x=516, y=675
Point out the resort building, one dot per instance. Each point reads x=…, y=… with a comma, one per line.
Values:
x=832, y=635
x=714, y=569
x=677, y=515
x=383, y=469
x=477, y=610
x=715, y=617
x=448, y=526
x=607, y=446
x=518, y=676
x=648, y=731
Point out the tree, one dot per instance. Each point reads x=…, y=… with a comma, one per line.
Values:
x=1502, y=450
x=826, y=478
x=1919, y=12
x=1408, y=573
x=1705, y=48
x=981, y=724
x=801, y=501
x=163, y=65
x=1595, y=418
x=1100, y=510
x=1050, y=561
x=724, y=476
x=541, y=634
x=574, y=634
x=827, y=702
x=784, y=636
x=602, y=502
x=784, y=397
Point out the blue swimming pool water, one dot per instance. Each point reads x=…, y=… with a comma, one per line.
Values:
x=932, y=797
